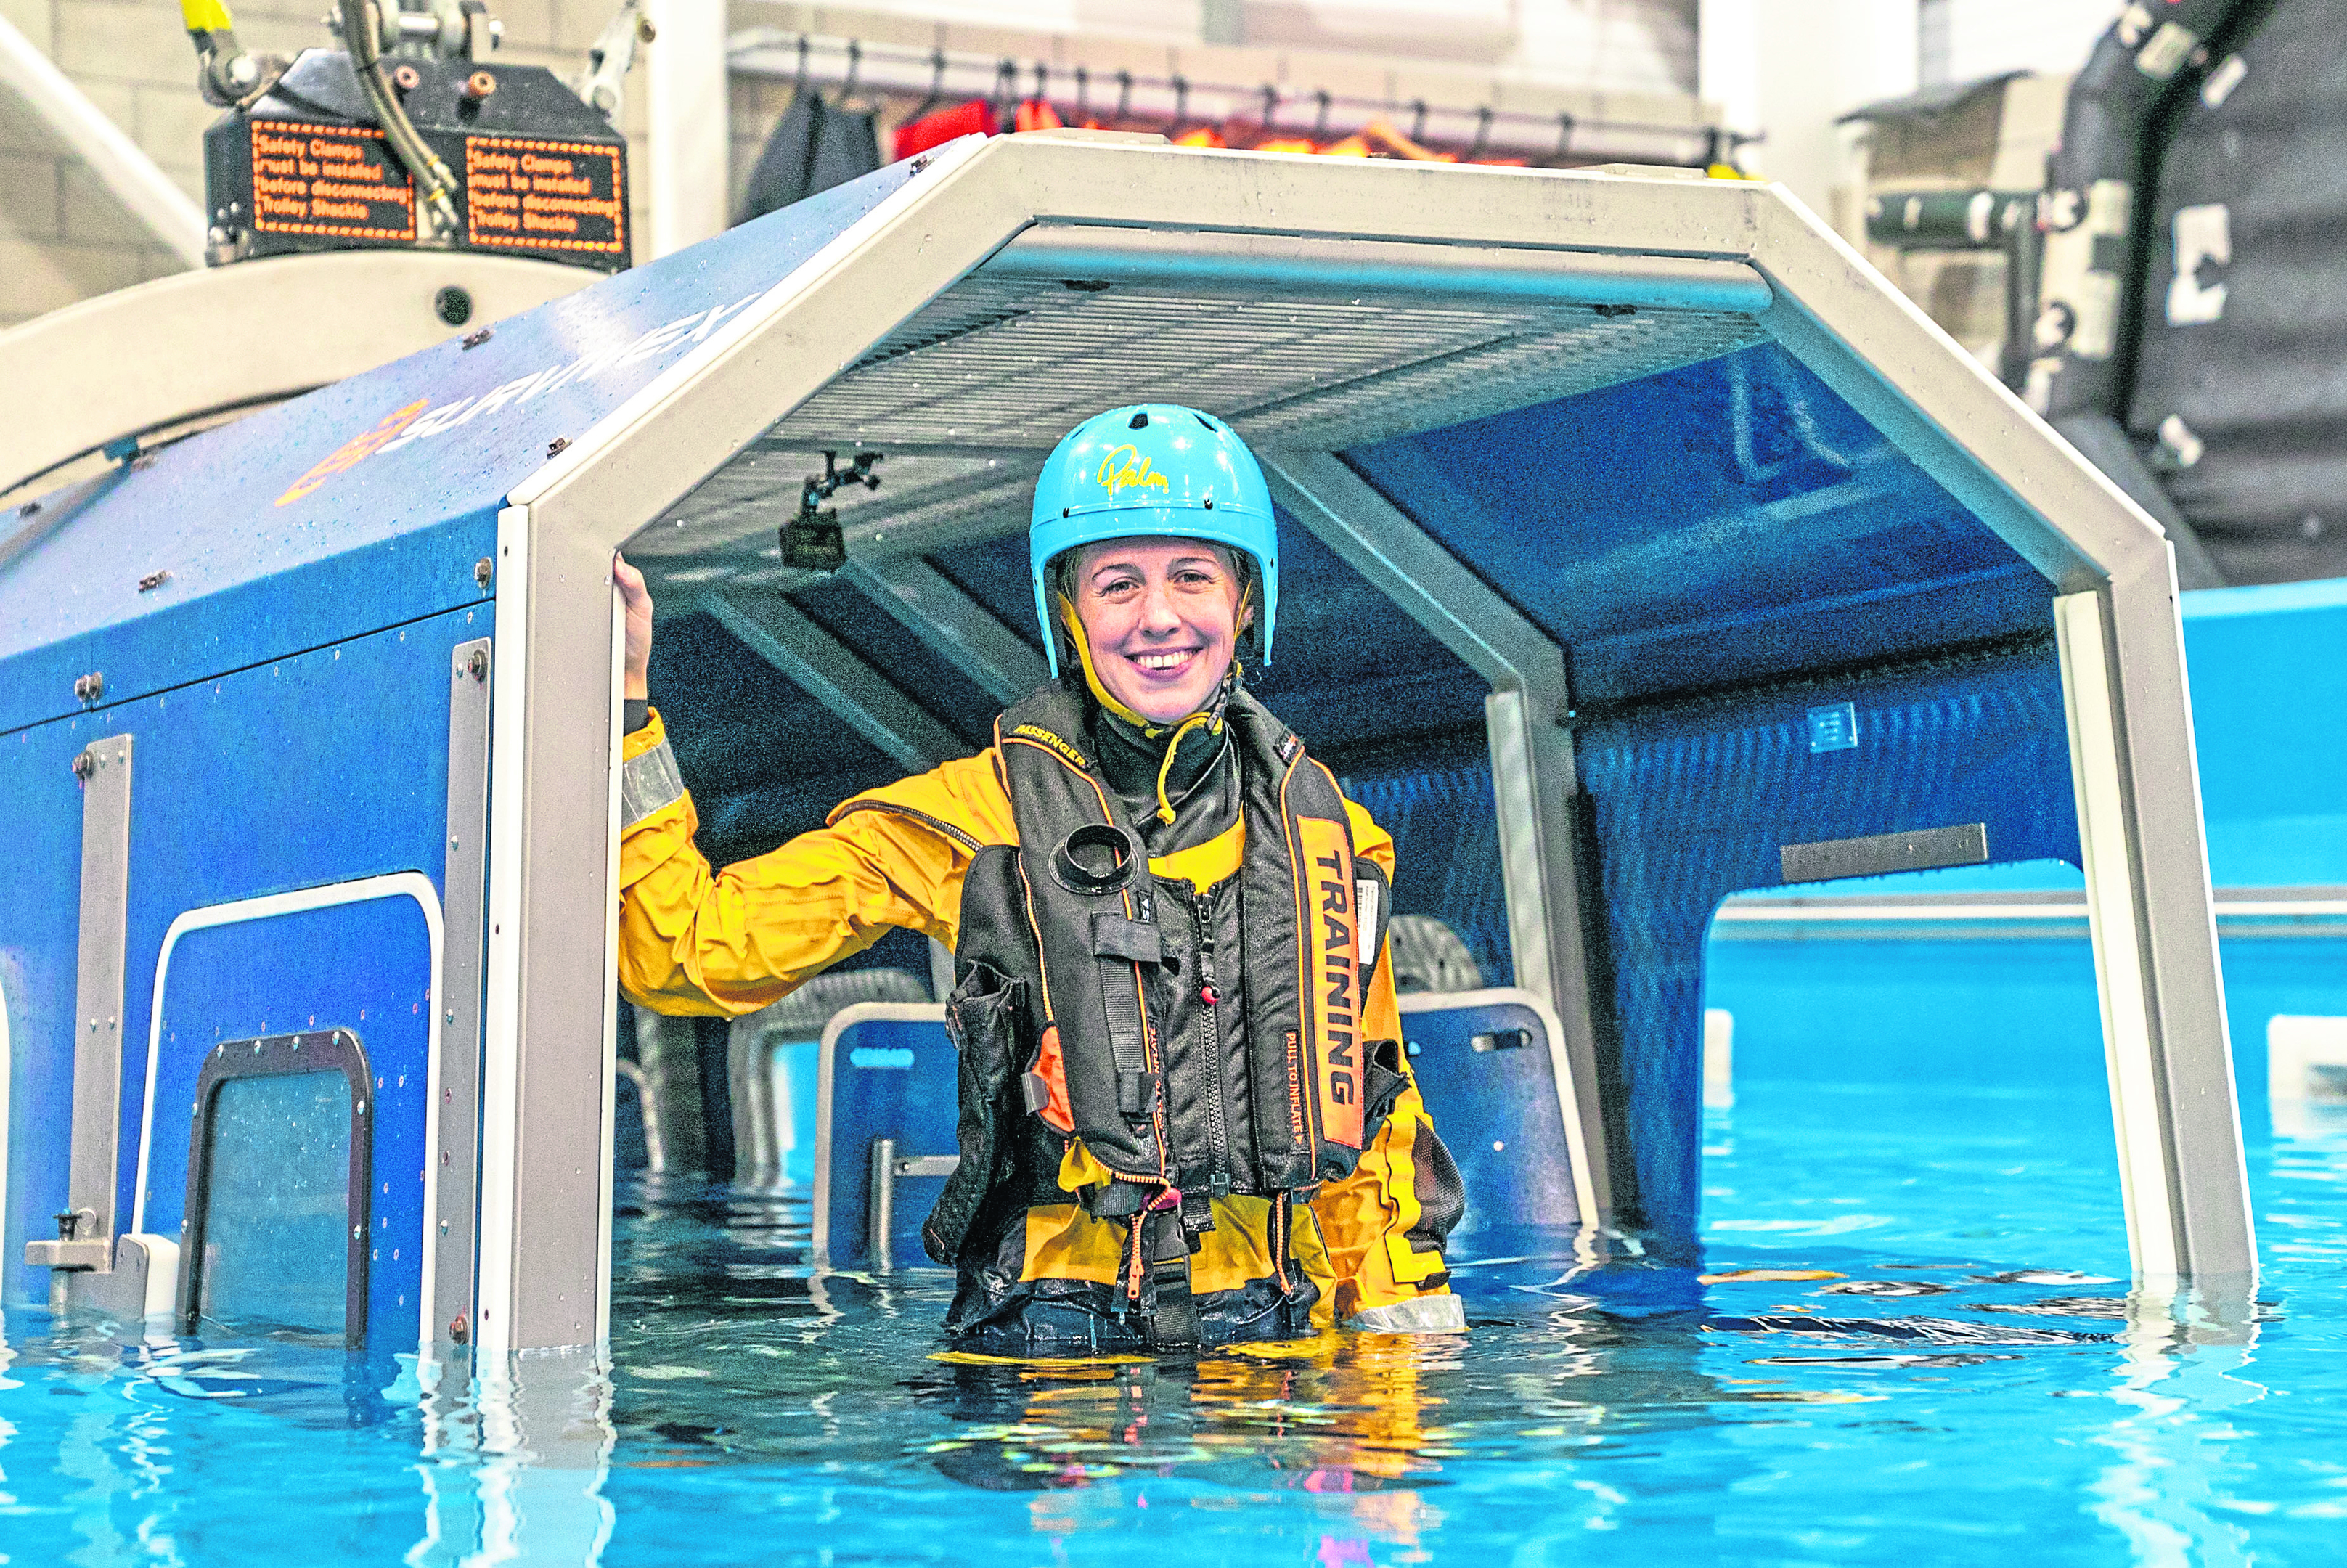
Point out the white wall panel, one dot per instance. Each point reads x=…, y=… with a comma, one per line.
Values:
x=1786, y=68
x=1986, y=37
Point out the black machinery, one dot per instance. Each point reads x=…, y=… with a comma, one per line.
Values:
x=412, y=137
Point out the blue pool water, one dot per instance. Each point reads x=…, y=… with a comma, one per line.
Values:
x=1970, y=1390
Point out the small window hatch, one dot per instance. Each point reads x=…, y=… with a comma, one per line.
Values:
x=278, y=1165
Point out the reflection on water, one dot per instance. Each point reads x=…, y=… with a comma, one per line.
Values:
x=1963, y=1377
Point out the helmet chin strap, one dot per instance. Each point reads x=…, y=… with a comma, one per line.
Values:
x=1075, y=626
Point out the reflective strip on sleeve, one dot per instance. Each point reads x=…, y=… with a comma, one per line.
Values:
x=646, y=782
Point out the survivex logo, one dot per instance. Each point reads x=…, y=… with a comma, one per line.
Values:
x=419, y=421
x=1124, y=468
x=354, y=450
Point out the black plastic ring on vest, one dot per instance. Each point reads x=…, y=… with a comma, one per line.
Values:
x=1120, y=842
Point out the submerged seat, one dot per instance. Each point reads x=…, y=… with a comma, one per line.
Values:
x=1429, y=956
x=885, y=1131
x=771, y=1089
x=1494, y=1068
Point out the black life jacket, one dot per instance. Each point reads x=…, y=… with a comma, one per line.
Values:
x=1062, y=974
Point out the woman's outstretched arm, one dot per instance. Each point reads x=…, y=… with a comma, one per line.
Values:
x=695, y=939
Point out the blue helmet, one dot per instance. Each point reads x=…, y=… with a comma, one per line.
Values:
x=1155, y=468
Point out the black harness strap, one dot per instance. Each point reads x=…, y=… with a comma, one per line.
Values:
x=1172, y=1311
x=1128, y=1045
x=1090, y=898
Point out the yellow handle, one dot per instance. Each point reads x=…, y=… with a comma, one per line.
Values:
x=206, y=16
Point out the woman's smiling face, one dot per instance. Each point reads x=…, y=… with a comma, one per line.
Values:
x=1161, y=619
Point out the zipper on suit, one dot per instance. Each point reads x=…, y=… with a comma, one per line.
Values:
x=890, y=808
x=1218, y=1132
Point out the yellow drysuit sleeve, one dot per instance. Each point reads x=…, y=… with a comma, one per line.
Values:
x=725, y=943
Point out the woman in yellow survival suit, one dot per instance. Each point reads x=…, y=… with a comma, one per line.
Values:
x=1185, y=1118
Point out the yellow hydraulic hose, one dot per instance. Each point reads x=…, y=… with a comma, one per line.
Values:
x=224, y=73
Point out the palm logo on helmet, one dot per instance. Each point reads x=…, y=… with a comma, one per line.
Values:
x=1151, y=470
x=1125, y=465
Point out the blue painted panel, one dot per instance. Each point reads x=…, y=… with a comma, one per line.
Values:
x=2265, y=665
x=1984, y=1013
x=365, y=967
x=2269, y=672
x=1690, y=801
x=1497, y=1112
x=441, y=434
x=307, y=605
x=1723, y=522
x=889, y=1079
x=308, y=771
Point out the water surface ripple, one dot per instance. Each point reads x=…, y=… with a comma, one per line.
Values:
x=1910, y=1339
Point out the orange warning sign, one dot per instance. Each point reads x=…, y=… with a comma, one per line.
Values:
x=535, y=195
x=337, y=180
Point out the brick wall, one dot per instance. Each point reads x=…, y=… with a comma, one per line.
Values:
x=63, y=238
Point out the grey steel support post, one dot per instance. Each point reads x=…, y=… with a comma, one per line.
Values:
x=2131, y=745
x=1532, y=753
x=545, y=1060
x=668, y=1055
x=757, y=1120
x=2171, y=1069
x=880, y=1204
x=554, y=797
x=105, y=772
x=956, y=627
x=539, y=1433
x=830, y=672
x=880, y=1208
x=455, y=1175
x=647, y=1114
x=85, y=1238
